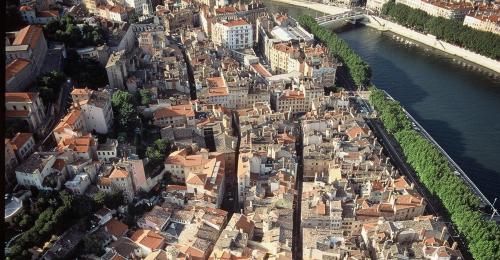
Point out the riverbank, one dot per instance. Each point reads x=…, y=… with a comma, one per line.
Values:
x=430, y=40
x=328, y=9
x=385, y=25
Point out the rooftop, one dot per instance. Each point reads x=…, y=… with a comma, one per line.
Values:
x=20, y=139
x=35, y=162
x=15, y=67
x=29, y=35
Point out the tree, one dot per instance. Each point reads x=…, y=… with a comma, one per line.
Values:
x=358, y=69
x=86, y=72
x=145, y=96
x=50, y=85
x=124, y=109
x=67, y=30
x=92, y=244
x=435, y=173
x=449, y=30
x=111, y=200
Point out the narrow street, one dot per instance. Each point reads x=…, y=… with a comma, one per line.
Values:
x=297, y=230
x=434, y=206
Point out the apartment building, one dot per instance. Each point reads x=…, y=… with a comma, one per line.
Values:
x=25, y=106
x=484, y=21
x=29, y=45
x=34, y=170
x=438, y=8
x=118, y=179
x=23, y=145
x=95, y=106
x=71, y=125
x=30, y=15
x=115, y=13
x=236, y=34
x=174, y=116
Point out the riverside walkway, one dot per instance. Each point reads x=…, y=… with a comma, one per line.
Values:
x=458, y=171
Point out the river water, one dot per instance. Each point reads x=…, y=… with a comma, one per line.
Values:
x=457, y=102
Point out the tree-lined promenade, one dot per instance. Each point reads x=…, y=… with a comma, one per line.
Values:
x=433, y=169
x=450, y=31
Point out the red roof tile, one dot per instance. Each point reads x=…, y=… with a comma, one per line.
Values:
x=20, y=96
x=116, y=228
x=29, y=35
x=20, y=139
x=16, y=66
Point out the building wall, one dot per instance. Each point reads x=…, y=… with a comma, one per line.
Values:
x=24, y=151
x=35, y=178
x=36, y=115
x=21, y=80
x=482, y=25
x=98, y=119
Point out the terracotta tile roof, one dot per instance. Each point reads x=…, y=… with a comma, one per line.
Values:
x=21, y=96
x=216, y=82
x=174, y=111
x=81, y=91
x=181, y=158
x=281, y=18
x=401, y=183
x=148, y=238
x=286, y=138
x=29, y=35
x=245, y=224
x=355, y=131
x=321, y=208
x=12, y=113
x=15, y=66
x=292, y=94
x=69, y=120
x=283, y=47
x=218, y=92
x=104, y=181
x=196, y=179
x=172, y=187
x=25, y=8
x=116, y=228
x=261, y=70
x=118, y=9
x=78, y=144
x=48, y=13
x=59, y=164
x=236, y=23
x=118, y=173
x=226, y=9
x=20, y=139
x=377, y=185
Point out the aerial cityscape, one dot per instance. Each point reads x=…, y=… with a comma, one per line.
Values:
x=252, y=129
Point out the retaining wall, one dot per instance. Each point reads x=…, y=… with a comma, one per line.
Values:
x=430, y=40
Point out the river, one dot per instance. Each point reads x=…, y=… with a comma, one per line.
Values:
x=456, y=102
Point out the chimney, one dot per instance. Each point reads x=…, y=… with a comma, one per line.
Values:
x=454, y=245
